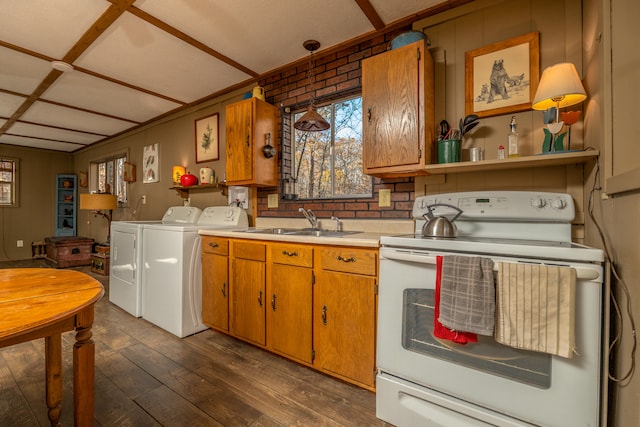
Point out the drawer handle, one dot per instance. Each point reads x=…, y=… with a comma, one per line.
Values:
x=273, y=302
x=324, y=315
x=340, y=258
x=75, y=251
x=260, y=298
x=213, y=245
x=224, y=289
x=287, y=253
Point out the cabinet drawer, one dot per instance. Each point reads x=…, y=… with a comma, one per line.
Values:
x=349, y=260
x=249, y=250
x=215, y=245
x=300, y=255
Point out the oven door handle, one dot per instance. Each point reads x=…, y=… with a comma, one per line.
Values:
x=582, y=273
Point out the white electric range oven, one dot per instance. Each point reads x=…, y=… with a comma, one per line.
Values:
x=426, y=381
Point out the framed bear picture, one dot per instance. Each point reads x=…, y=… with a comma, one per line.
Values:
x=502, y=78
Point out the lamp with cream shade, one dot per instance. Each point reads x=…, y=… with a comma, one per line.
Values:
x=102, y=204
x=559, y=87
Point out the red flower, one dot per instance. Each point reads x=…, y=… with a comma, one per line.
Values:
x=570, y=117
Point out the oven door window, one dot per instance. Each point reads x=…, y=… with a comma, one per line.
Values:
x=486, y=355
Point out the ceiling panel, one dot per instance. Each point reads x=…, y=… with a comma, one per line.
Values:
x=48, y=27
x=9, y=103
x=38, y=143
x=68, y=118
x=135, y=51
x=391, y=11
x=249, y=32
x=54, y=134
x=20, y=72
x=85, y=91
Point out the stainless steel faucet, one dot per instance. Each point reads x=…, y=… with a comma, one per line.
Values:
x=336, y=223
x=311, y=217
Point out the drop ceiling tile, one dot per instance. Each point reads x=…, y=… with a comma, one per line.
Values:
x=137, y=52
x=9, y=104
x=391, y=11
x=262, y=35
x=102, y=96
x=20, y=72
x=38, y=143
x=68, y=118
x=48, y=27
x=53, y=134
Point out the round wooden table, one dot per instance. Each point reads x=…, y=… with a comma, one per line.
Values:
x=43, y=303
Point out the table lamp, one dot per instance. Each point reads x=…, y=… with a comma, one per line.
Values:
x=99, y=203
x=559, y=87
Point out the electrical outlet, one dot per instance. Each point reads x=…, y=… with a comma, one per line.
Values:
x=384, y=198
x=20, y=243
x=272, y=201
x=144, y=200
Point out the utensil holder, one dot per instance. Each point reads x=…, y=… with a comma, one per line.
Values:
x=449, y=150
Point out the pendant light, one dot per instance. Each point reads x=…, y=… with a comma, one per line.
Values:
x=311, y=121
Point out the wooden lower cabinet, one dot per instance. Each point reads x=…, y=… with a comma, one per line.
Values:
x=215, y=283
x=314, y=304
x=247, y=291
x=289, y=316
x=344, y=321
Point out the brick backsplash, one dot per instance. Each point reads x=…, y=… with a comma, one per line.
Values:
x=336, y=74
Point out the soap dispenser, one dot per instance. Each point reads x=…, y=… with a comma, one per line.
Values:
x=513, y=138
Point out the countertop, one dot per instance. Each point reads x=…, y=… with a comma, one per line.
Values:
x=363, y=233
x=356, y=239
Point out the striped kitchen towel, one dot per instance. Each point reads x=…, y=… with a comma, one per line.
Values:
x=535, y=307
x=467, y=294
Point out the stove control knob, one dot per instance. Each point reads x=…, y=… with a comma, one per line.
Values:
x=558, y=204
x=538, y=202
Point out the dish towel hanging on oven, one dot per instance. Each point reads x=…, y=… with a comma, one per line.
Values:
x=467, y=295
x=439, y=330
x=536, y=308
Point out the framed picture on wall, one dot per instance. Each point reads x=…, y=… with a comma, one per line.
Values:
x=502, y=78
x=207, y=138
x=129, y=172
x=83, y=179
x=150, y=162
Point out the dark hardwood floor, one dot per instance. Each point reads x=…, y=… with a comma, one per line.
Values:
x=148, y=377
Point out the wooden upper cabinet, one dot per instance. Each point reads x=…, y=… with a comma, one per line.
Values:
x=398, y=111
x=248, y=123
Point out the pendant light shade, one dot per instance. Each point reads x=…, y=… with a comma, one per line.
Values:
x=311, y=121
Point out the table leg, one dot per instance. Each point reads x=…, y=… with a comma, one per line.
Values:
x=83, y=369
x=53, y=377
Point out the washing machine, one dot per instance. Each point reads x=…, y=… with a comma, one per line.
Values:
x=125, y=276
x=172, y=273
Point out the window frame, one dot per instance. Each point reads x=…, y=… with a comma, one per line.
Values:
x=293, y=169
x=113, y=176
x=13, y=183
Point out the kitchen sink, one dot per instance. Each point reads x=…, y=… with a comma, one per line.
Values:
x=299, y=232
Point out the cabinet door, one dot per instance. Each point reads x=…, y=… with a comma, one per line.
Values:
x=289, y=311
x=239, y=152
x=344, y=326
x=248, y=300
x=215, y=291
x=398, y=103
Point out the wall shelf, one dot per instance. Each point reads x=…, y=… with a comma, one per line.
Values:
x=543, y=160
x=184, y=191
